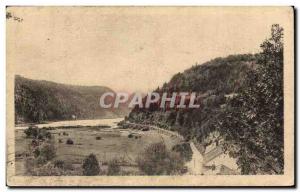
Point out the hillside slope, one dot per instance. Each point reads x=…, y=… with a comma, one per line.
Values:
x=213, y=81
x=38, y=101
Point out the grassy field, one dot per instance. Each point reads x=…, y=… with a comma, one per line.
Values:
x=111, y=143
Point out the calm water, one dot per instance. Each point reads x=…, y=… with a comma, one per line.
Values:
x=91, y=122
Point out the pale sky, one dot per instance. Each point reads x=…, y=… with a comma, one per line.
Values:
x=130, y=49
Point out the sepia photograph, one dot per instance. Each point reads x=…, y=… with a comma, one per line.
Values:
x=149, y=96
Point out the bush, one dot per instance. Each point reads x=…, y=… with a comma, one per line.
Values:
x=69, y=142
x=113, y=168
x=36, y=152
x=59, y=164
x=184, y=149
x=121, y=123
x=47, y=151
x=157, y=160
x=98, y=138
x=48, y=135
x=40, y=160
x=35, y=143
x=48, y=170
x=36, y=133
x=40, y=137
x=60, y=140
x=123, y=126
x=65, y=134
x=90, y=166
x=31, y=131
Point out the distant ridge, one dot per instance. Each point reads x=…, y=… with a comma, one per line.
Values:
x=40, y=100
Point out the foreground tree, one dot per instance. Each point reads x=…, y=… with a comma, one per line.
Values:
x=158, y=160
x=113, y=167
x=252, y=122
x=91, y=166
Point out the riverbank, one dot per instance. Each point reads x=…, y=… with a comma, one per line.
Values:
x=73, y=123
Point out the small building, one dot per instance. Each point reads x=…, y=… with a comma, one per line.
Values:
x=216, y=162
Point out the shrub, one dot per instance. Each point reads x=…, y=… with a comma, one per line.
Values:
x=31, y=131
x=98, y=138
x=65, y=134
x=184, y=149
x=40, y=160
x=157, y=160
x=48, y=170
x=47, y=151
x=59, y=164
x=35, y=143
x=145, y=129
x=36, y=152
x=130, y=135
x=48, y=135
x=60, y=140
x=121, y=123
x=69, y=142
x=36, y=133
x=213, y=167
x=123, y=126
x=113, y=168
x=90, y=166
x=40, y=137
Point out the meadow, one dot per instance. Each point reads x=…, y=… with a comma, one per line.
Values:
x=106, y=143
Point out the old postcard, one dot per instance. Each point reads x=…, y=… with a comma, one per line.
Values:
x=150, y=96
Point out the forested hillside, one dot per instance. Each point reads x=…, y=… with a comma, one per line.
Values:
x=241, y=99
x=38, y=101
x=213, y=81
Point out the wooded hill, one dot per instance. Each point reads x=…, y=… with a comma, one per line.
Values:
x=241, y=106
x=213, y=82
x=38, y=101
